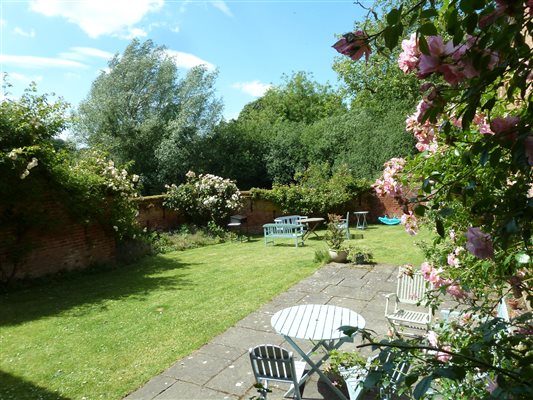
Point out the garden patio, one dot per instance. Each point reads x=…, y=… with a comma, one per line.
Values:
x=221, y=369
x=107, y=331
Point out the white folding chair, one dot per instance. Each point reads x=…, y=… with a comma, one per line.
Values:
x=274, y=363
x=406, y=314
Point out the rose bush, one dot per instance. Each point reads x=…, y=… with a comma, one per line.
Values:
x=205, y=198
x=473, y=185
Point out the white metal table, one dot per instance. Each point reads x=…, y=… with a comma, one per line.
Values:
x=361, y=219
x=311, y=223
x=319, y=324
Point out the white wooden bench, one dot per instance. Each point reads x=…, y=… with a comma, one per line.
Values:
x=284, y=231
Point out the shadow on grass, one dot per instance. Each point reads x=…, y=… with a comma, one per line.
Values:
x=15, y=388
x=86, y=290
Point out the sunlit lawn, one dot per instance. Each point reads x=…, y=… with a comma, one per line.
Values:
x=104, y=333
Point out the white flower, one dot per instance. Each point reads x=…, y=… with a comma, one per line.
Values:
x=115, y=228
x=33, y=163
x=135, y=178
x=24, y=174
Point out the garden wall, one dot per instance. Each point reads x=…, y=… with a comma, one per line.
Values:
x=67, y=245
x=154, y=216
x=60, y=244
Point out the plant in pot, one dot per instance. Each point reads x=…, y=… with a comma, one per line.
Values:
x=360, y=255
x=334, y=238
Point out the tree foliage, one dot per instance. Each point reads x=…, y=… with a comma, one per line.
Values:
x=140, y=110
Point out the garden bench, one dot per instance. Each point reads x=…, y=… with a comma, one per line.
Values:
x=284, y=231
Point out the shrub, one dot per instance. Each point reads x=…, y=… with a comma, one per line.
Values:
x=35, y=167
x=318, y=190
x=205, y=198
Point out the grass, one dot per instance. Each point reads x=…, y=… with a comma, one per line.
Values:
x=105, y=332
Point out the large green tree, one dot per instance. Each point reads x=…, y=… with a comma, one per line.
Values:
x=141, y=110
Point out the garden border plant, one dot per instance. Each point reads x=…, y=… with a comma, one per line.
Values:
x=36, y=167
x=474, y=174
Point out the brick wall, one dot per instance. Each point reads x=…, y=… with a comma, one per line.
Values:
x=154, y=216
x=67, y=245
x=61, y=244
x=260, y=212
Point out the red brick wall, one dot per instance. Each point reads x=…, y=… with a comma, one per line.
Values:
x=68, y=245
x=260, y=212
x=62, y=245
x=154, y=216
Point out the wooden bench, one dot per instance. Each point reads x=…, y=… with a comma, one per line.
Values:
x=284, y=231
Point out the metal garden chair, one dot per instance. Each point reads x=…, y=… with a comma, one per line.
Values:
x=274, y=363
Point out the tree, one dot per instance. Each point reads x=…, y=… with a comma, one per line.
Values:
x=298, y=99
x=142, y=111
x=474, y=185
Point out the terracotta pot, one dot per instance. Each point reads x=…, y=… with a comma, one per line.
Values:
x=339, y=256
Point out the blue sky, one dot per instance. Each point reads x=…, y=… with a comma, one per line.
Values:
x=63, y=45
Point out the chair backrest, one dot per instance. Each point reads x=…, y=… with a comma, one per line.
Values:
x=272, y=362
x=288, y=219
x=411, y=288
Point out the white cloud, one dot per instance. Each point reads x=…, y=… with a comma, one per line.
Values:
x=187, y=60
x=175, y=29
x=19, y=31
x=254, y=88
x=39, y=62
x=83, y=53
x=100, y=17
x=222, y=6
x=3, y=22
x=25, y=79
x=134, y=33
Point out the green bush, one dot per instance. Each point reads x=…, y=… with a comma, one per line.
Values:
x=37, y=169
x=317, y=191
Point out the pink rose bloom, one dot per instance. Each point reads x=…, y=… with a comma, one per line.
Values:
x=432, y=338
x=444, y=357
x=438, y=50
x=410, y=223
x=452, y=234
x=504, y=124
x=453, y=260
x=408, y=58
x=482, y=124
x=479, y=243
x=354, y=45
x=456, y=291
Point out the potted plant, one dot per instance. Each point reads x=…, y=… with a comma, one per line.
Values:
x=335, y=237
x=360, y=255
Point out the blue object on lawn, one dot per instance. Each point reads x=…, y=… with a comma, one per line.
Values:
x=389, y=221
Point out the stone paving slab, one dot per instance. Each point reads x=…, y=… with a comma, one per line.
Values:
x=221, y=369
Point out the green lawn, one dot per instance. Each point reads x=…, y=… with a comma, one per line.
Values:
x=102, y=334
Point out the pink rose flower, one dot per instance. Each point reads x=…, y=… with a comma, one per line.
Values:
x=354, y=45
x=456, y=291
x=444, y=357
x=410, y=223
x=479, y=243
x=504, y=125
x=432, y=338
x=482, y=124
x=409, y=57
